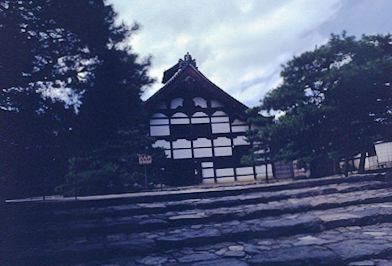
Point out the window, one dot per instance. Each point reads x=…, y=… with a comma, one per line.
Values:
x=180, y=131
x=177, y=102
x=199, y=130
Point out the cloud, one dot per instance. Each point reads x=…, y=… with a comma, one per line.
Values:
x=240, y=44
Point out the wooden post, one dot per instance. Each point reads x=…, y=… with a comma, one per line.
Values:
x=145, y=159
x=75, y=189
x=145, y=176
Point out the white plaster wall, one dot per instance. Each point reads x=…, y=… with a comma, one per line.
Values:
x=223, y=151
x=246, y=178
x=220, y=128
x=222, y=141
x=168, y=153
x=202, y=142
x=202, y=152
x=207, y=164
x=238, y=122
x=224, y=171
x=181, y=144
x=182, y=154
x=260, y=171
x=208, y=181
x=177, y=102
x=159, y=130
x=200, y=120
x=219, y=119
x=207, y=172
x=223, y=180
x=244, y=171
x=201, y=102
x=240, y=140
x=384, y=152
x=159, y=121
x=162, y=143
x=239, y=128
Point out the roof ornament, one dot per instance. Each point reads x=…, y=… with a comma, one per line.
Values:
x=187, y=61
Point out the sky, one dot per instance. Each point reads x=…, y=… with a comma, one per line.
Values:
x=240, y=45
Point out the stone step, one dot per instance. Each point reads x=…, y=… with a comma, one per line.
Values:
x=71, y=215
x=113, y=227
x=211, y=203
x=143, y=223
x=24, y=221
x=366, y=245
x=183, y=194
x=159, y=241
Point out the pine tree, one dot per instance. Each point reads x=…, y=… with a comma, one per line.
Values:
x=334, y=102
x=69, y=82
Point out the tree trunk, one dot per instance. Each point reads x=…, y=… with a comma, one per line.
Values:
x=361, y=167
x=266, y=172
x=346, y=166
x=273, y=170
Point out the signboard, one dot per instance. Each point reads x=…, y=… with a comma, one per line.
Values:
x=145, y=159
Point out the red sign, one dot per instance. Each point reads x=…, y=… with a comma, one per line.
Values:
x=145, y=159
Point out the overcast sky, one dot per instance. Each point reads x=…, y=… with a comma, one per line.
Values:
x=240, y=44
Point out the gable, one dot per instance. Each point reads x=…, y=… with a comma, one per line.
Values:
x=188, y=81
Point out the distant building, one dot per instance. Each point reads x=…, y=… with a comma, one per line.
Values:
x=380, y=158
x=201, y=127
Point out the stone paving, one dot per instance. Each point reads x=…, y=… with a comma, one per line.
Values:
x=338, y=222
x=331, y=247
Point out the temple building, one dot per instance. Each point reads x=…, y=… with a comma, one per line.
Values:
x=201, y=127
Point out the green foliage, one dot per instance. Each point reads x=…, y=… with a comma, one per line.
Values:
x=259, y=153
x=113, y=167
x=334, y=102
x=69, y=81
